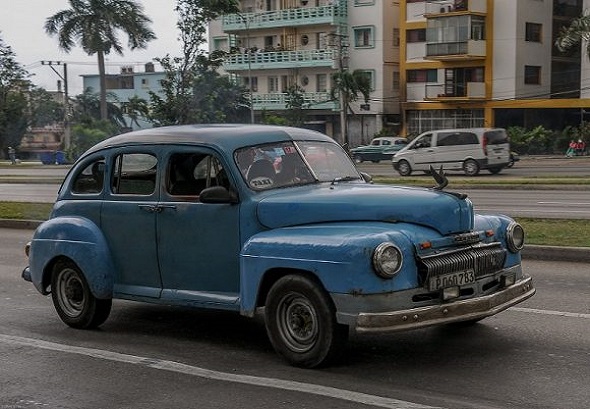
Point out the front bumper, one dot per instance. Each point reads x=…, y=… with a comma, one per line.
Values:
x=463, y=310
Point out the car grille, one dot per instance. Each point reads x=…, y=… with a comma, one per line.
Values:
x=483, y=259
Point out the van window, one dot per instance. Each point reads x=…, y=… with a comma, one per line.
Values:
x=496, y=137
x=456, y=138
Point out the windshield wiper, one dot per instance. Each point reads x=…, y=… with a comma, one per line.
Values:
x=344, y=179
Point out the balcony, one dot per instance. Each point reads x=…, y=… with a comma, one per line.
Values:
x=278, y=101
x=270, y=60
x=434, y=8
x=459, y=50
x=454, y=92
x=304, y=16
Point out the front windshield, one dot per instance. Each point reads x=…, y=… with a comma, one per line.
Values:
x=284, y=164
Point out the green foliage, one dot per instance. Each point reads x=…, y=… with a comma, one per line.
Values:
x=44, y=109
x=13, y=102
x=269, y=119
x=86, y=110
x=540, y=141
x=193, y=91
x=95, y=25
x=85, y=136
x=294, y=104
x=576, y=33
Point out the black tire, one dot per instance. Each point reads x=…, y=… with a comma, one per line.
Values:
x=404, y=168
x=301, y=322
x=495, y=171
x=73, y=300
x=358, y=158
x=470, y=167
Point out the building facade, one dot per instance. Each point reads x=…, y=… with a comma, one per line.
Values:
x=274, y=44
x=473, y=63
x=128, y=83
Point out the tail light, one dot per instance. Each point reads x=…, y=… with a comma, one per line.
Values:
x=484, y=143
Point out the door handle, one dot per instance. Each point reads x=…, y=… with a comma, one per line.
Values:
x=148, y=208
x=162, y=207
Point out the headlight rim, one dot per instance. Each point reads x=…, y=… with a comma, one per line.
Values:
x=378, y=263
x=512, y=245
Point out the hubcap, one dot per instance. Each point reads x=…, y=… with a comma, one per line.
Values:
x=298, y=325
x=70, y=293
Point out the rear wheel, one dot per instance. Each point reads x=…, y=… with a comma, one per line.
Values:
x=73, y=300
x=470, y=167
x=404, y=168
x=495, y=171
x=301, y=322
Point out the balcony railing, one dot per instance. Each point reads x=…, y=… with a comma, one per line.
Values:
x=457, y=50
x=278, y=101
x=469, y=90
x=451, y=6
x=333, y=15
x=265, y=60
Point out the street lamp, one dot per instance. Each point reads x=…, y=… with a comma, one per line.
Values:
x=246, y=21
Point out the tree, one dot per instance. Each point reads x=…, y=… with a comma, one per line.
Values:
x=14, y=85
x=44, y=109
x=347, y=87
x=86, y=111
x=95, y=25
x=294, y=105
x=136, y=108
x=177, y=104
x=573, y=35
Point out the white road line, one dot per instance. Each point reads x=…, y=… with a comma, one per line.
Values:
x=549, y=312
x=565, y=203
x=154, y=363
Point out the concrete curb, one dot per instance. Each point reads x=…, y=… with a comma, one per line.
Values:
x=530, y=252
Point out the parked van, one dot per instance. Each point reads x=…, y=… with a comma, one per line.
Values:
x=469, y=150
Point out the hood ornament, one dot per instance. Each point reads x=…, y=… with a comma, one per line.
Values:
x=442, y=182
x=439, y=177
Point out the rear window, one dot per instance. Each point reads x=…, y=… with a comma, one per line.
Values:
x=496, y=137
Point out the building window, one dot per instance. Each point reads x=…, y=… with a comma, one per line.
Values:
x=254, y=83
x=396, y=81
x=416, y=36
x=533, y=32
x=273, y=84
x=145, y=83
x=422, y=76
x=396, y=37
x=532, y=74
x=321, y=83
x=364, y=37
x=370, y=75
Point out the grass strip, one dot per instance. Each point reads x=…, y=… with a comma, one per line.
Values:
x=547, y=232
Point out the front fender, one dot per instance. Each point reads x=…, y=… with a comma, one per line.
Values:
x=78, y=239
x=339, y=255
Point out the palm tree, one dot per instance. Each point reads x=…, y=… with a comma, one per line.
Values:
x=95, y=24
x=577, y=32
x=348, y=86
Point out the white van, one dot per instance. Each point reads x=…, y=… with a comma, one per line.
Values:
x=469, y=150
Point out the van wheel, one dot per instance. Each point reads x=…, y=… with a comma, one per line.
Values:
x=495, y=171
x=73, y=300
x=301, y=322
x=404, y=168
x=470, y=167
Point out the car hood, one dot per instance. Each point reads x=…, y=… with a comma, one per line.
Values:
x=441, y=211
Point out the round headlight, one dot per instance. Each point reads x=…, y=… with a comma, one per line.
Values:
x=515, y=237
x=387, y=260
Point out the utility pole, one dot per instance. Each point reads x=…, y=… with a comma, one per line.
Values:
x=342, y=100
x=64, y=78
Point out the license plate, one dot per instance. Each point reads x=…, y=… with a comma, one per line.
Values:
x=451, y=280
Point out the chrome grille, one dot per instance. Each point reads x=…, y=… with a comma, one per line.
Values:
x=483, y=259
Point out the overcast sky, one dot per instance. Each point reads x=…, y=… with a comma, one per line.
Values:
x=21, y=27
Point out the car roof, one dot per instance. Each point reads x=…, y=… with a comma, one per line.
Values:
x=227, y=137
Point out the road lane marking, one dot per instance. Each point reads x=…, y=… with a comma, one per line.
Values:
x=549, y=312
x=171, y=366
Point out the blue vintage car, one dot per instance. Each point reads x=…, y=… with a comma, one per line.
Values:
x=241, y=217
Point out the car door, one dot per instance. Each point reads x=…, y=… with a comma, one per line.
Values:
x=128, y=221
x=198, y=243
x=423, y=152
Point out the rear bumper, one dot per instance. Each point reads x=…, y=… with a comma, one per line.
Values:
x=463, y=310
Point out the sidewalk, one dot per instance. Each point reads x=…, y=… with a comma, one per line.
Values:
x=530, y=252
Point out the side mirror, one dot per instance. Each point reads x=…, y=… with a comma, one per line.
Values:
x=366, y=177
x=218, y=195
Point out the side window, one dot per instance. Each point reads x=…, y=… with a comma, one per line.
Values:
x=468, y=138
x=423, y=142
x=91, y=179
x=190, y=172
x=134, y=174
x=446, y=139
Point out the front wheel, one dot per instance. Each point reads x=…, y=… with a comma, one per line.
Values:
x=301, y=322
x=404, y=168
x=73, y=300
x=470, y=167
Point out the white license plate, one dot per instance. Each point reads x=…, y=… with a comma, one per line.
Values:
x=451, y=280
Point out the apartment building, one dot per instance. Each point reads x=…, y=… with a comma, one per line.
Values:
x=471, y=63
x=273, y=44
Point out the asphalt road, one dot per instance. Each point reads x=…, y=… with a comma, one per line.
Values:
x=534, y=355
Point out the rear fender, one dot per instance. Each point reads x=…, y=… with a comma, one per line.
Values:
x=78, y=239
